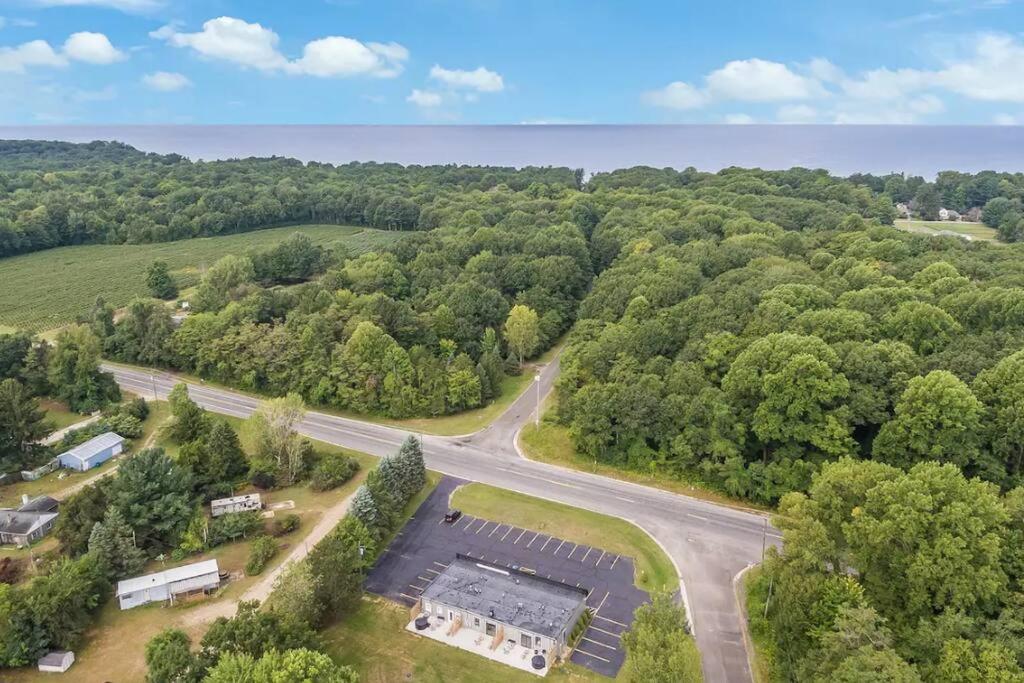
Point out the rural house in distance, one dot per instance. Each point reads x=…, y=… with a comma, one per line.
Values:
x=169, y=585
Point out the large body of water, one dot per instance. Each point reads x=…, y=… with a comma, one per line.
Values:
x=918, y=150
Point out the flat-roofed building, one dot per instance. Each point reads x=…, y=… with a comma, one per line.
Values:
x=505, y=605
x=93, y=452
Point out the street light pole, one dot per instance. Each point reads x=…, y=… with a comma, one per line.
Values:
x=152, y=379
x=536, y=380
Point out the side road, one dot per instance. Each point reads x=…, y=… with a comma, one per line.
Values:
x=709, y=543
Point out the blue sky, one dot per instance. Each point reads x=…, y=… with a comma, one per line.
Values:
x=511, y=61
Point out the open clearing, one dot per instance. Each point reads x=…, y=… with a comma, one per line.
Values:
x=47, y=289
x=978, y=231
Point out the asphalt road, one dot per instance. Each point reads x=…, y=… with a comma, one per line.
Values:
x=709, y=543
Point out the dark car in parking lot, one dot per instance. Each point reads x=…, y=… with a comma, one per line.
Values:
x=452, y=516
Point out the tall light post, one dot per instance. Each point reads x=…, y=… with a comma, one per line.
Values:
x=152, y=379
x=536, y=380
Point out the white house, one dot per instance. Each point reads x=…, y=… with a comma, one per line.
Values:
x=56, y=662
x=170, y=584
x=226, y=506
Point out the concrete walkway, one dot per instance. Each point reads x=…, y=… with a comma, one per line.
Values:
x=59, y=434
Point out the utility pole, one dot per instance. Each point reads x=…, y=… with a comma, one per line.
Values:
x=152, y=379
x=536, y=380
x=764, y=538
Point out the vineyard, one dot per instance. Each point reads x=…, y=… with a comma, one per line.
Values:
x=48, y=289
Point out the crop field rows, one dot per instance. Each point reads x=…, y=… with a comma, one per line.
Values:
x=48, y=289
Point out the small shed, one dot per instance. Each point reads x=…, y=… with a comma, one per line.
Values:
x=93, y=452
x=169, y=585
x=56, y=661
x=226, y=506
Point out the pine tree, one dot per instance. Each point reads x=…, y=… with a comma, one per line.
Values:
x=190, y=421
x=365, y=509
x=391, y=475
x=111, y=542
x=415, y=469
x=227, y=459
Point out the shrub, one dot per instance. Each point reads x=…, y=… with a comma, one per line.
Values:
x=262, y=479
x=332, y=471
x=285, y=525
x=137, y=408
x=263, y=548
x=229, y=527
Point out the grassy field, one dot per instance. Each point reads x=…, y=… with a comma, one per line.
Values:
x=58, y=414
x=374, y=641
x=654, y=570
x=978, y=231
x=47, y=289
x=551, y=443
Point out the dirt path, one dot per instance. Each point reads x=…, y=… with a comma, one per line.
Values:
x=262, y=588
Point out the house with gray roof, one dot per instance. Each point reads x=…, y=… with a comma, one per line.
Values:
x=506, y=605
x=28, y=523
x=93, y=452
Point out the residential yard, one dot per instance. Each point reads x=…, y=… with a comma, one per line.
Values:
x=374, y=641
x=59, y=482
x=978, y=231
x=58, y=414
x=654, y=570
x=552, y=444
x=47, y=289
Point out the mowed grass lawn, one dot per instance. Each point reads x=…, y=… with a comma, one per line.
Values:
x=978, y=231
x=373, y=641
x=48, y=289
x=654, y=570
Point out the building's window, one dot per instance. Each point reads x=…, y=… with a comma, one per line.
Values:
x=537, y=641
x=490, y=629
x=525, y=640
x=476, y=622
x=426, y=607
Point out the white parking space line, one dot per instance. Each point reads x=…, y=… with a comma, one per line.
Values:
x=606, y=594
x=432, y=571
x=559, y=547
x=518, y=537
x=507, y=533
x=607, y=633
x=614, y=561
x=469, y=521
x=545, y=544
x=617, y=623
x=599, y=559
x=589, y=550
x=574, y=547
x=610, y=647
x=532, y=540
x=440, y=564
x=496, y=527
x=482, y=526
x=424, y=578
x=589, y=654
x=417, y=588
x=409, y=596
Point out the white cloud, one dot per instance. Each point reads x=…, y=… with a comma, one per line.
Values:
x=992, y=73
x=796, y=113
x=33, y=53
x=424, y=98
x=166, y=81
x=677, y=95
x=1005, y=119
x=738, y=119
x=904, y=111
x=254, y=46
x=757, y=80
x=94, y=48
x=133, y=6
x=479, y=79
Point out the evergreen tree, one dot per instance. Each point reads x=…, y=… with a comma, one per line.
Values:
x=190, y=421
x=365, y=509
x=112, y=543
x=413, y=466
x=156, y=494
x=21, y=424
x=159, y=280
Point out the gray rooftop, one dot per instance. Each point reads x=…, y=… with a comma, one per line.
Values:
x=40, y=504
x=84, y=451
x=22, y=523
x=521, y=600
x=168, y=576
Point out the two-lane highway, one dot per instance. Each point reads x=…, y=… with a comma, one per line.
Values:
x=709, y=543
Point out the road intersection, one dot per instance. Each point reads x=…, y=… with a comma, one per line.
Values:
x=709, y=543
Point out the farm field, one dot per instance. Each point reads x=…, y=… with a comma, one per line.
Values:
x=48, y=289
x=978, y=231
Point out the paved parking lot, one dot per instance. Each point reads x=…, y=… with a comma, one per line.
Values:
x=426, y=545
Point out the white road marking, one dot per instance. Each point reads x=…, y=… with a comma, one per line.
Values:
x=617, y=623
x=628, y=500
x=589, y=550
x=507, y=533
x=574, y=547
x=700, y=517
x=545, y=544
x=599, y=559
x=532, y=540
x=609, y=633
x=518, y=537
x=559, y=547
x=496, y=527
x=610, y=647
x=584, y=652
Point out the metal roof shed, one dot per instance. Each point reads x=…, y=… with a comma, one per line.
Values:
x=168, y=584
x=93, y=452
